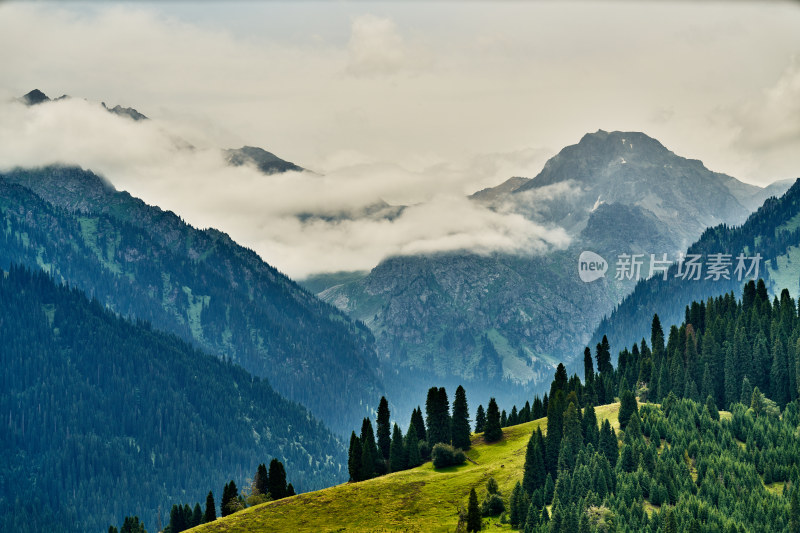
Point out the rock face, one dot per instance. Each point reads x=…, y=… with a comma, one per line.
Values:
x=509, y=318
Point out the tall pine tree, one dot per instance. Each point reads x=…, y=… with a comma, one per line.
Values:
x=354, y=458
x=384, y=429
x=480, y=419
x=493, y=431
x=461, y=429
x=398, y=457
x=211, y=509
x=277, y=480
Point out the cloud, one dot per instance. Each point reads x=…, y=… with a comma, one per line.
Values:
x=765, y=128
x=377, y=48
x=262, y=211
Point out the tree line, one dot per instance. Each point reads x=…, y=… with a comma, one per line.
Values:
x=677, y=465
x=266, y=485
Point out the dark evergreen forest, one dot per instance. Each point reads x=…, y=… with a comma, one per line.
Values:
x=676, y=464
x=104, y=418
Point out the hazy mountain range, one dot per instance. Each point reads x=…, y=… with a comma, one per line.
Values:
x=501, y=317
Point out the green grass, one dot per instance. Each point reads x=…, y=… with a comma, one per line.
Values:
x=421, y=499
x=775, y=488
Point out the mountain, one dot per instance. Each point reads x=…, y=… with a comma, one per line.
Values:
x=491, y=194
x=631, y=168
x=129, y=112
x=772, y=231
x=679, y=464
x=35, y=97
x=266, y=162
x=503, y=321
x=104, y=417
x=148, y=264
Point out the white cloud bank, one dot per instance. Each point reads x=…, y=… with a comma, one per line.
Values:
x=262, y=211
x=394, y=101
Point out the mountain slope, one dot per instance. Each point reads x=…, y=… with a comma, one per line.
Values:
x=421, y=499
x=502, y=319
x=145, y=263
x=772, y=231
x=104, y=418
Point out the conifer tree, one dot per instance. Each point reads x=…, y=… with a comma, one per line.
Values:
x=197, y=515
x=515, y=503
x=233, y=497
x=555, y=425
x=794, y=512
x=628, y=406
x=384, y=429
x=493, y=431
x=397, y=454
x=525, y=414
x=461, y=429
x=419, y=424
x=224, y=504
x=549, y=490
x=290, y=490
x=572, y=439
x=603, y=354
x=503, y=419
x=354, y=458
x=588, y=367
x=747, y=391
x=591, y=431
x=712, y=408
x=560, y=381
x=369, y=451
x=412, y=449
x=732, y=389
x=480, y=420
x=534, y=473
x=474, y=521
x=779, y=375
x=277, y=480
x=177, y=521
x=211, y=509
x=261, y=480
x=437, y=411
x=756, y=401
x=608, y=443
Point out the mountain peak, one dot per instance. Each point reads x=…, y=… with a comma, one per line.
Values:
x=624, y=140
x=35, y=97
x=267, y=162
x=124, y=112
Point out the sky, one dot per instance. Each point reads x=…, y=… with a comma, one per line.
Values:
x=411, y=103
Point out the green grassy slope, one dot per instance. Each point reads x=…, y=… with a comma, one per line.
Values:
x=417, y=500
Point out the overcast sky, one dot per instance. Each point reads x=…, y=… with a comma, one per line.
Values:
x=409, y=102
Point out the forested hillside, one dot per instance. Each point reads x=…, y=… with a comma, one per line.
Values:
x=672, y=463
x=104, y=418
x=773, y=232
x=148, y=264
